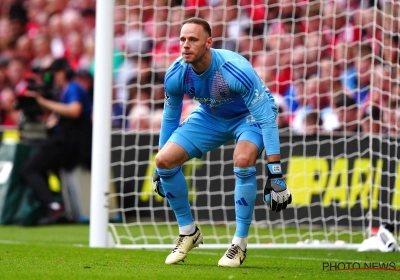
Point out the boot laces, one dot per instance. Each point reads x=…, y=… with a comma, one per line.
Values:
x=232, y=252
x=178, y=241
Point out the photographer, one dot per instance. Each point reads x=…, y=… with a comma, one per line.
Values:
x=69, y=143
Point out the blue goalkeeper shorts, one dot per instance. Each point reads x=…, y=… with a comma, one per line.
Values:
x=202, y=132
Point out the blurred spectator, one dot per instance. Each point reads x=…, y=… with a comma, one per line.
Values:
x=71, y=21
x=312, y=123
x=137, y=40
x=302, y=66
x=369, y=21
x=219, y=33
x=139, y=111
x=330, y=81
x=316, y=46
x=88, y=15
x=303, y=63
x=309, y=100
x=6, y=35
x=251, y=43
x=283, y=36
x=166, y=46
x=311, y=16
x=87, y=59
x=359, y=85
x=283, y=116
x=371, y=121
x=198, y=8
x=391, y=53
x=265, y=66
x=16, y=72
x=3, y=79
x=391, y=117
x=57, y=6
x=42, y=52
x=293, y=96
x=5, y=6
x=391, y=15
x=24, y=49
x=380, y=87
x=235, y=20
x=37, y=17
x=8, y=115
x=256, y=11
x=337, y=26
x=56, y=34
x=348, y=114
x=143, y=77
x=74, y=50
x=344, y=57
x=18, y=18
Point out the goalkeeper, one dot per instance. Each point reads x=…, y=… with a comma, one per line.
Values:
x=234, y=104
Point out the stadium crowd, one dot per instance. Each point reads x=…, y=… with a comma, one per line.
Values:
x=333, y=66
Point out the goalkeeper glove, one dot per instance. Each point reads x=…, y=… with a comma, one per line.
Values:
x=157, y=184
x=276, y=193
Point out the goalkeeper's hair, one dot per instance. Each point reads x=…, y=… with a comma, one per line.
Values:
x=199, y=21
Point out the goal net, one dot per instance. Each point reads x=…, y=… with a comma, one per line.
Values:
x=333, y=68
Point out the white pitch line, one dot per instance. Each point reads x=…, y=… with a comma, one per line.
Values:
x=10, y=242
x=36, y=243
x=197, y=251
x=291, y=258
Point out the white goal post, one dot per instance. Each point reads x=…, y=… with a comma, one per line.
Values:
x=344, y=184
x=101, y=124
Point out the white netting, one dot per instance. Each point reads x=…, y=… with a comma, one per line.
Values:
x=333, y=67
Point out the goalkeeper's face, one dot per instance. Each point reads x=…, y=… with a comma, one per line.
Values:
x=195, y=45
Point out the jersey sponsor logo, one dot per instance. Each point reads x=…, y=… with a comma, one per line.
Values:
x=258, y=96
x=211, y=102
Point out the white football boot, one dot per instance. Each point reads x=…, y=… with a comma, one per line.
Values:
x=184, y=243
x=233, y=257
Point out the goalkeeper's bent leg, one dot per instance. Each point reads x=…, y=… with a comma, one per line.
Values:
x=176, y=191
x=245, y=199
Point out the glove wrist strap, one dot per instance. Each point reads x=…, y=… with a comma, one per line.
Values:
x=274, y=169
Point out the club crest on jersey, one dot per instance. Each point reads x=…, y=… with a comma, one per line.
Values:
x=219, y=87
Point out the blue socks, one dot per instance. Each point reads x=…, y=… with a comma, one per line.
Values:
x=245, y=198
x=176, y=191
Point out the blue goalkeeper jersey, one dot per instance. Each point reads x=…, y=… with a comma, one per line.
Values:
x=230, y=87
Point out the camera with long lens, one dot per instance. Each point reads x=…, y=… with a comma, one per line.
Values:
x=31, y=123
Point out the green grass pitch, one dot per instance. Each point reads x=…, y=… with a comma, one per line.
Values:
x=62, y=252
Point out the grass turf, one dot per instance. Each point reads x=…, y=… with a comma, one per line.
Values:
x=62, y=252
